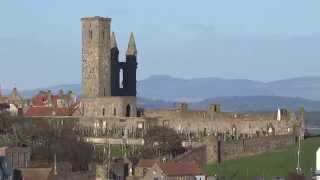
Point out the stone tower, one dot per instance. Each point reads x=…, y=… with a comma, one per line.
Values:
x=108, y=85
x=96, y=59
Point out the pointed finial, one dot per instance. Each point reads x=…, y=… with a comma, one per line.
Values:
x=132, y=49
x=113, y=41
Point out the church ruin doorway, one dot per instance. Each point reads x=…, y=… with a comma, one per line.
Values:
x=128, y=110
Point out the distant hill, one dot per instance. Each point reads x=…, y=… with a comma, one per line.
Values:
x=169, y=88
x=241, y=104
x=192, y=90
x=234, y=94
x=258, y=103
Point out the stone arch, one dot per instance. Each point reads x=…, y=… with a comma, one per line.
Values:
x=114, y=111
x=128, y=110
x=103, y=111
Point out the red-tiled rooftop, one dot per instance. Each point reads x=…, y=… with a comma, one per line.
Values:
x=47, y=111
x=42, y=100
x=181, y=168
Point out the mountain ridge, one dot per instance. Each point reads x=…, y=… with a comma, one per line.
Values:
x=167, y=88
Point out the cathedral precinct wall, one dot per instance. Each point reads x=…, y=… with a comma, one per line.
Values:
x=222, y=122
x=218, y=151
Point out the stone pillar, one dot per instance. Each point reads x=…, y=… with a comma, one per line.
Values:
x=213, y=152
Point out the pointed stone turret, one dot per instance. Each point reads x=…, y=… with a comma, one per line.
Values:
x=115, y=77
x=132, y=49
x=113, y=41
x=130, y=78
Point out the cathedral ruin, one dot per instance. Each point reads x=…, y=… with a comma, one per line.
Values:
x=108, y=85
x=109, y=96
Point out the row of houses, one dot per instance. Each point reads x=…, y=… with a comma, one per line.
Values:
x=13, y=103
x=45, y=103
x=16, y=164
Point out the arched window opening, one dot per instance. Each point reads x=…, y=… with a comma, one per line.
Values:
x=114, y=111
x=103, y=111
x=90, y=34
x=121, y=78
x=128, y=110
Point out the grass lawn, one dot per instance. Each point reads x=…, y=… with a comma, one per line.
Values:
x=268, y=164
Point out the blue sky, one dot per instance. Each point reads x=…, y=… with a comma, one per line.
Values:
x=259, y=40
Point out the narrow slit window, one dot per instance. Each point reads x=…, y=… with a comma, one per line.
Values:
x=90, y=34
x=121, y=78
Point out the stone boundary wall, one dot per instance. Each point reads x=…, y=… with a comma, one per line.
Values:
x=115, y=141
x=243, y=123
x=76, y=176
x=198, y=154
x=214, y=151
x=235, y=149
